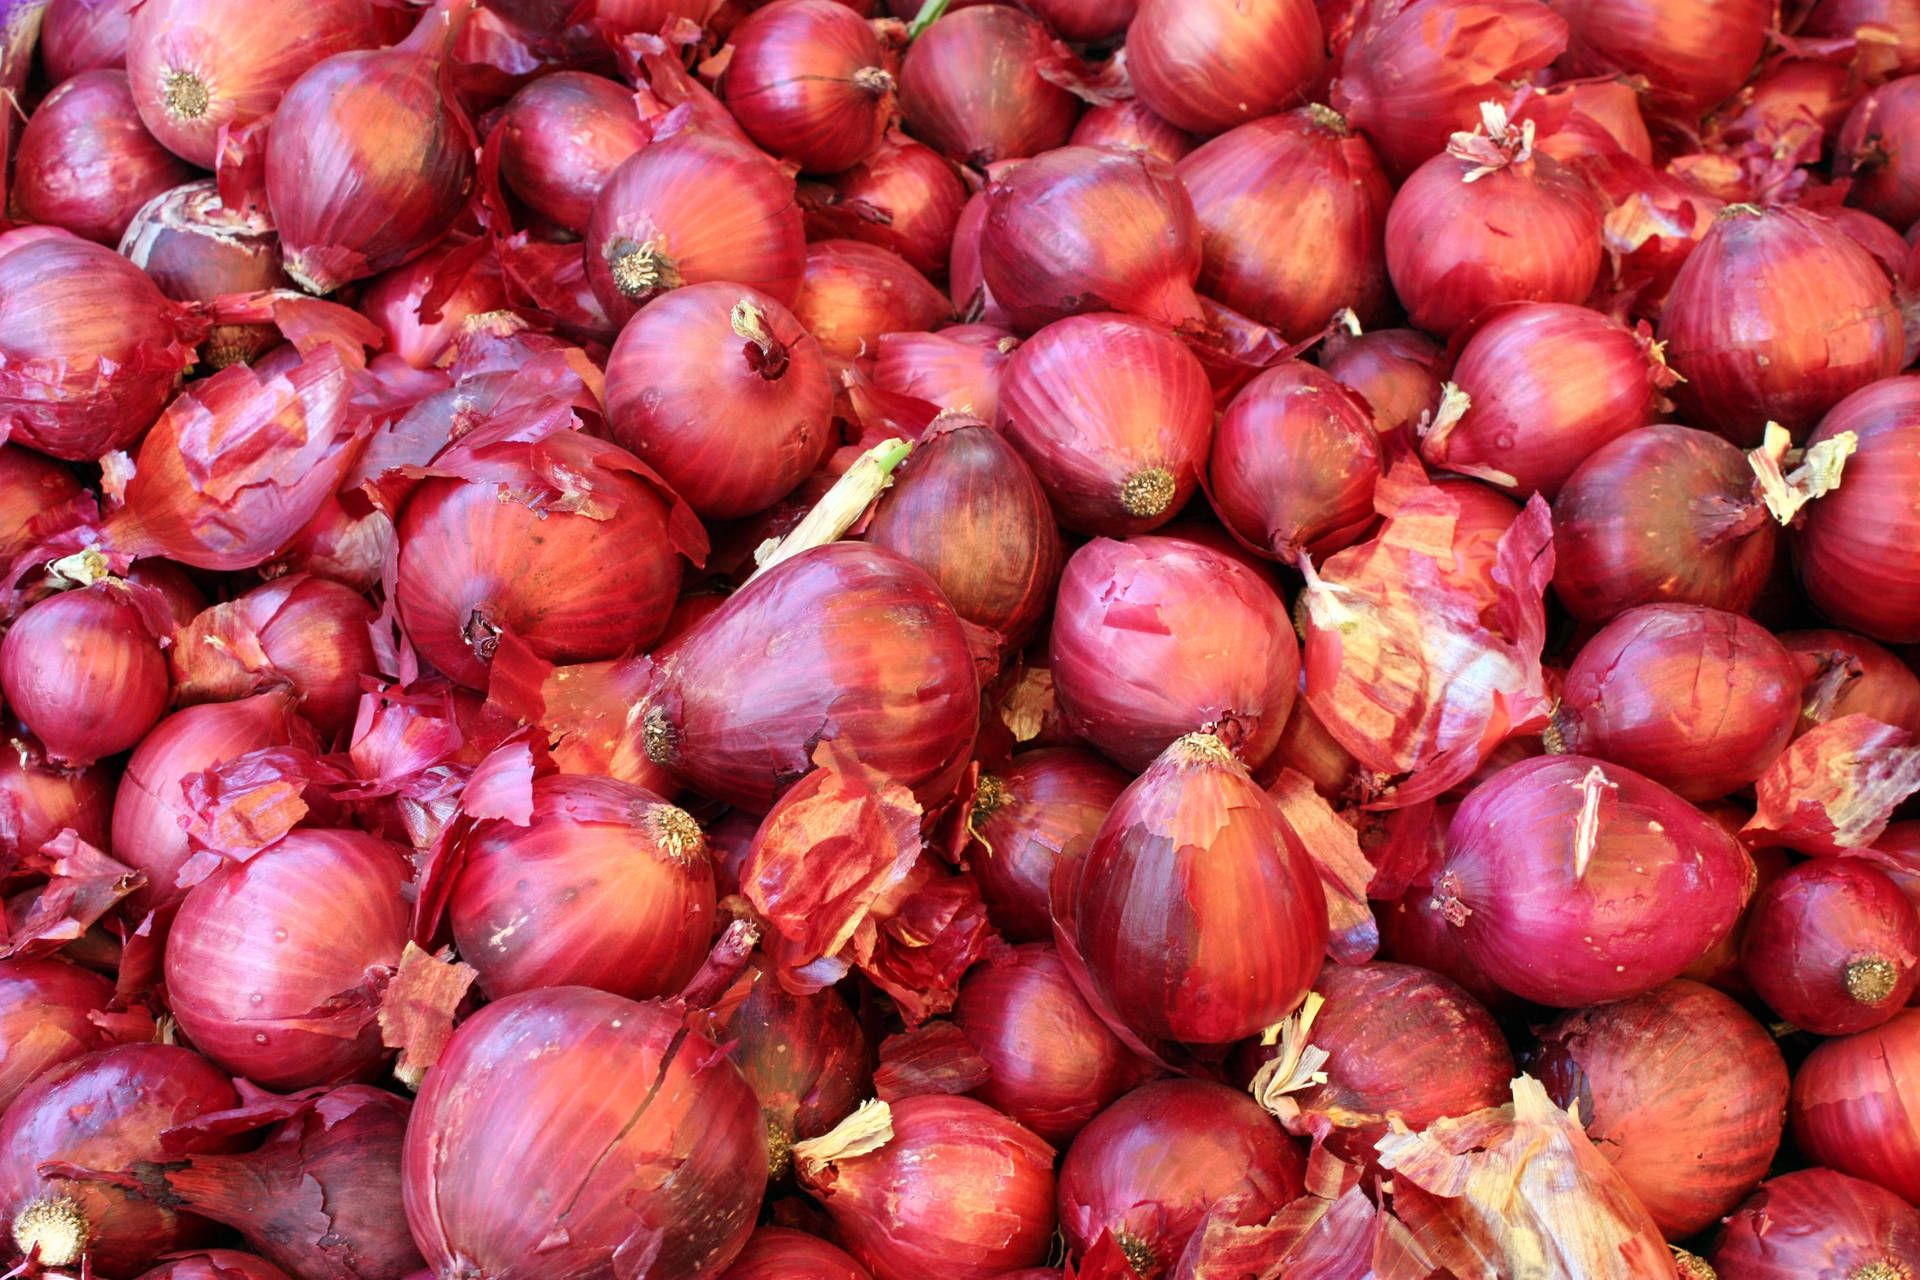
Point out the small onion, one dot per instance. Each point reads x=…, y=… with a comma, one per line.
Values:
x=44, y=1019
x=79, y=35
x=561, y=138
x=215, y=1264
x=1129, y=125
x=1879, y=148
x=1690, y=53
x=83, y=670
x=1208, y=65
x=959, y=368
x=39, y=799
x=1399, y=372
x=904, y=197
x=1871, y=680
x=1575, y=882
x=1851, y=1108
x=1853, y=549
x=805, y=1057
x=1819, y=1225
x=853, y=292
x=1115, y=416
x=1042, y=809
x=196, y=249
x=1832, y=946
x=972, y=89
x=808, y=82
x=781, y=1253
x=84, y=161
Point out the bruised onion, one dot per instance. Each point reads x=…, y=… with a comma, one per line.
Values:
x=781, y=1253
x=806, y=1058
x=959, y=368
x=1680, y=1088
x=1154, y=638
x=196, y=249
x=1815, y=1224
x=1851, y=1109
x=79, y=35
x=46, y=1018
x=972, y=87
x=1130, y=125
x=1398, y=372
x=83, y=670
x=1043, y=808
x=1575, y=882
x=724, y=393
x=853, y=292
x=84, y=162
x=1208, y=65
x=561, y=138
x=808, y=83
x=1114, y=415
x=1690, y=53
x=1832, y=946
x=540, y=1143
x=313, y=635
x=1852, y=550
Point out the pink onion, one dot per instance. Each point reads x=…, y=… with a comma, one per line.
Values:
x=805, y=1057
x=1879, y=147
x=781, y=1253
x=853, y=292
x=561, y=138
x=1832, y=946
x=79, y=35
x=904, y=197
x=972, y=89
x=83, y=670
x=85, y=162
x=307, y=633
x=1851, y=549
x=460, y=286
x=1207, y=66
x=808, y=82
x=1690, y=53
x=196, y=249
x=1130, y=125
x=1818, y=1225
x=1850, y=1110
x=1043, y=808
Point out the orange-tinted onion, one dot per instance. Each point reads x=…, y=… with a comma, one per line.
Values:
x=1881, y=18
x=1690, y=53
x=959, y=368
x=1208, y=65
x=971, y=87
x=84, y=161
x=1399, y=372
x=1873, y=681
x=853, y=292
x=44, y=1008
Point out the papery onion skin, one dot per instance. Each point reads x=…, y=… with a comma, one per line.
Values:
x=85, y=163
x=853, y=292
x=960, y=368
x=1652, y=881
x=1850, y=1110
x=1681, y=1089
x=1879, y=147
x=600, y=1094
x=1824, y=325
x=1853, y=548
x=1043, y=808
x=85, y=673
x=1293, y=211
x=781, y=1253
x=808, y=83
x=1712, y=541
x=1130, y=125
x=1208, y=65
x=971, y=87
x=608, y=886
x=1150, y=1166
x=196, y=249
x=1884, y=17
x=34, y=490
x=314, y=634
x=1691, y=53
x=106, y=1111
x=1054, y=1064
x=39, y=799
x=1697, y=699
x=870, y=647
x=43, y=1018
x=806, y=1058
x=732, y=420
x=1815, y=1224
x=904, y=197
x=1886, y=689
x=959, y=1190
x=1154, y=637
x=1115, y=416
x=79, y=35
x=394, y=301
x=215, y=1264
x=1398, y=372
x=562, y=137
x=1832, y=946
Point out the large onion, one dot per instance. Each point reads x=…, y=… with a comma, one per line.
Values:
x=971, y=87
x=1208, y=65
x=1816, y=1224
x=1690, y=53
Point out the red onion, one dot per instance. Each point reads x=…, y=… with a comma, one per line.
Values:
x=1054, y=1064
x=1832, y=946
x=1858, y=678
x=1083, y=20
x=317, y=1197
x=1156, y=637
x=972, y=88
x=215, y=1264
x=577, y=1127
x=688, y=209
x=1690, y=53
x=605, y=885
x=1719, y=968
x=808, y=82
x=1547, y=383
x=1302, y=181
x=1398, y=372
x=1880, y=20
x=307, y=633
x=805, y=1057
x=38, y=497
x=45, y=1008
x=1575, y=882
x=965, y=508
x=1850, y=1107
x=91, y=349
x=1083, y=229
x=781, y=1253
x=1851, y=550
x=1208, y=65
x=960, y=368
x=1681, y=1089
x=1488, y=221
x=196, y=249
x=1825, y=325
x=104, y=1111
x=1150, y=1167
x=1043, y=808
x=561, y=138
x=966, y=278
x=870, y=653
x=79, y=35
x=1665, y=513
x=1879, y=148
x=460, y=285
x=1416, y=73
x=724, y=393
x=904, y=197
x=83, y=670
x=38, y=799
x=85, y=163
x=1819, y=1225
x=150, y=810
x=566, y=541
x=347, y=204
x=1130, y=125
x=1114, y=415
x=854, y=292
x=1696, y=699
x=934, y=1186
x=1237, y=923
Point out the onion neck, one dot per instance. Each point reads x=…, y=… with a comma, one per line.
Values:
x=1327, y=118
x=877, y=81
x=659, y=737
x=1137, y=1252
x=988, y=797
x=52, y=1231
x=1817, y=470
x=642, y=270
x=1437, y=425
x=766, y=355
x=1200, y=748
x=1872, y=980
x=184, y=95
x=1148, y=493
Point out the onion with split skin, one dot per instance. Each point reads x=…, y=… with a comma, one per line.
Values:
x=805, y=1056
x=45, y=1008
x=195, y=249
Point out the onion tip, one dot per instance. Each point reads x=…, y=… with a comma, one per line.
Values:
x=677, y=834
x=1872, y=979
x=1148, y=493
x=868, y=1129
x=183, y=95
x=52, y=1230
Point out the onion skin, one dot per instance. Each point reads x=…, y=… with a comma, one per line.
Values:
x=781, y=1253
x=394, y=301
x=38, y=799
x=971, y=87
x=1879, y=148
x=607, y=886
x=1851, y=550
x=1299, y=180
x=1054, y=1065
x=969, y=511
x=1084, y=229
x=43, y=1019
x=733, y=422
x=808, y=83
x=1885, y=688
x=215, y=1264
x=1042, y=809
x=79, y=35
x=84, y=671
x=805, y=1057
x=960, y=368
x=1832, y=946
x=1849, y=1109
x=85, y=163
x=196, y=249
x=1150, y=1166
x=1130, y=125
x=1660, y=884
x=561, y=138
x=1681, y=1089
x=904, y=197
x=1697, y=699
x=1115, y=416
x=1398, y=372
x=37, y=497
x=1816, y=1224
x=854, y=292
x=1214, y=64
x=600, y=1095
x=960, y=1190
x=1663, y=514
x=1154, y=636
x=867, y=644
x=1692, y=53
x=1199, y=840
x=1825, y=325
x=106, y=1111
x=1888, y=17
